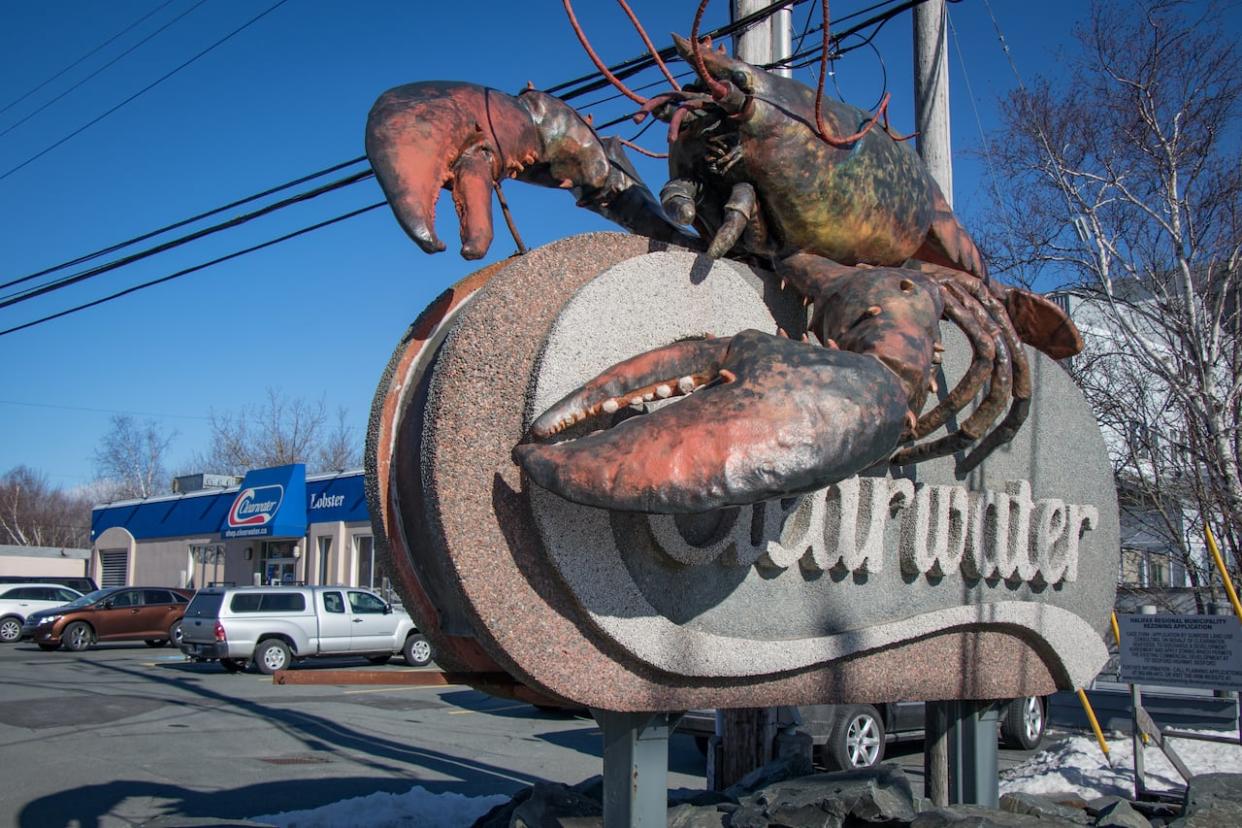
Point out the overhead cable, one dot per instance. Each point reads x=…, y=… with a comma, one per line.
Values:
x=194, y=269
x=144, y=90
x=110, y=40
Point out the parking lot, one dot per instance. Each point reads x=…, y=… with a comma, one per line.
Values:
x=123, y=734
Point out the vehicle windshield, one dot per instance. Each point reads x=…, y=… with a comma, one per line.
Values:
x=86, y=600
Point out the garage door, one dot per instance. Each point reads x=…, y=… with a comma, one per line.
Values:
x=115, y=566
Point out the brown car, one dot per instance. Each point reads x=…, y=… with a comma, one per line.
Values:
x=150, y=614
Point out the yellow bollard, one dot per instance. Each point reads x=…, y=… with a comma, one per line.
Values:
x=1095, y=726
x=1224, y=573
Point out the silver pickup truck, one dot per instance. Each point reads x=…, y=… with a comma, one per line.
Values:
x=273, y=626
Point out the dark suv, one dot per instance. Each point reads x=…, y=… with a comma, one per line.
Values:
x=150, y=614
x=850, y=736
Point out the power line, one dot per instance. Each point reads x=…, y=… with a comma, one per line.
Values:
x=183, y=222
x=145, y=89
x=103, y=68
x=126, y=30
x=82, y=276
x=632, y=63
x=105, y=410
x=195, y=268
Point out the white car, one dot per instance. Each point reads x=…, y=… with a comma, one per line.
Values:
x=19, y=600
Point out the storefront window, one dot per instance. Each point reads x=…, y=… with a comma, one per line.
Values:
x=279, y=564
x=325, y=553
x=364, y=546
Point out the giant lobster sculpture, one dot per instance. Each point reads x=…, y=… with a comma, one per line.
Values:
x=764, y=169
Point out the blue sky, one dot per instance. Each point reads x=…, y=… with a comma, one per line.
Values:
x=317, y=316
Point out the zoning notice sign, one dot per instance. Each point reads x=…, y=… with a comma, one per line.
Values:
x=1182, y=650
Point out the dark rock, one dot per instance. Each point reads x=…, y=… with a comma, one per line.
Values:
x=499, y=816
x=1116, y=812
x=1212, y=799
x=1041, y=806
x=786, y=767
x=977, y=816
x=875, y=795
x=553, y=805
x=692, y=816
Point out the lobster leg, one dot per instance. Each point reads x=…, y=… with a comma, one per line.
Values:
x=766, y=417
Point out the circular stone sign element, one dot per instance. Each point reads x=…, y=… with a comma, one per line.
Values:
x=747, y=607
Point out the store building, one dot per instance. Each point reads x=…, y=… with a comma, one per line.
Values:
x=277, y=526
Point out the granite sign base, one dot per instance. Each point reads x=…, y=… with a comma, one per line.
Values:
x=901, y=584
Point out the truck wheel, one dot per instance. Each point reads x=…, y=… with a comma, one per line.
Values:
x=857, y=739
x=1023, y=724
x=174, y=633
x=417, y=650
x=78, y=636
x=271, y=655
x=233, y=665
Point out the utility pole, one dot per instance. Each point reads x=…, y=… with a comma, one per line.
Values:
x=764, y=42
x=747, y=735
x=931, y=92
x=959, y=753
x=931, y=115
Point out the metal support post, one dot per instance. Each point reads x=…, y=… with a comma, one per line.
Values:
x=974, y=775
x=635, y=768
x=767, y=41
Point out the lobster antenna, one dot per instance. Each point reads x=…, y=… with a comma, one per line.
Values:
x=655, y=53
x=599, y=64
x=718, y=89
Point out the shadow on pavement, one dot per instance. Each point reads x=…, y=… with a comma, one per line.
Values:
x=86, y=807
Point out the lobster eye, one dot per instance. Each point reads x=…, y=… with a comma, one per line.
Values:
x=741, y=80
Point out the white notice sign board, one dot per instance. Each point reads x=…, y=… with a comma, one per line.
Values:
x=1182, y=650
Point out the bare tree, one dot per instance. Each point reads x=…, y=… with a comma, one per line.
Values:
x=33, y=513
x=130, y=458
x=1123, y=180
x=280, y=431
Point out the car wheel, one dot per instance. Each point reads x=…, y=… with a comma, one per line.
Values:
x=379, y=659
x=47, y=648
x=78, y=636
x=233, y=665
x=857, y=739
x=155, y=642
x=174, y=633
x=417, y=650
x=271, y=655
x=10, y=630
x=1023, y=723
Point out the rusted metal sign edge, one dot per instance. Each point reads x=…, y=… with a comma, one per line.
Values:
x=406, y=678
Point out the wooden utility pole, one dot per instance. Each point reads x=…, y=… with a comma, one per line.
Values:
x=747, y=735
x=931, y=92
x=931, y=114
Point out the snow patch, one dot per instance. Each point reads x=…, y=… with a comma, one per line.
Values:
x=1076, y=764
x=417, y=807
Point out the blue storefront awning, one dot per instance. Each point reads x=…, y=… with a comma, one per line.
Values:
x=270, y=504
x=255, y=510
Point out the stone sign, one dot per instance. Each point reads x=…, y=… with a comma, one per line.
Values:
x=901, y=583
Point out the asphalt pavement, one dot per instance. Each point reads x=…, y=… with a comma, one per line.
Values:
x=123, y=734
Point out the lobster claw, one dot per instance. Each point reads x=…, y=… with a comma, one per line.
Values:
x=766, y=417
x=462, y=137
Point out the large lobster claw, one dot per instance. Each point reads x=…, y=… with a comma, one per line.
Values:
x=459, y=136
x=766, y=417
